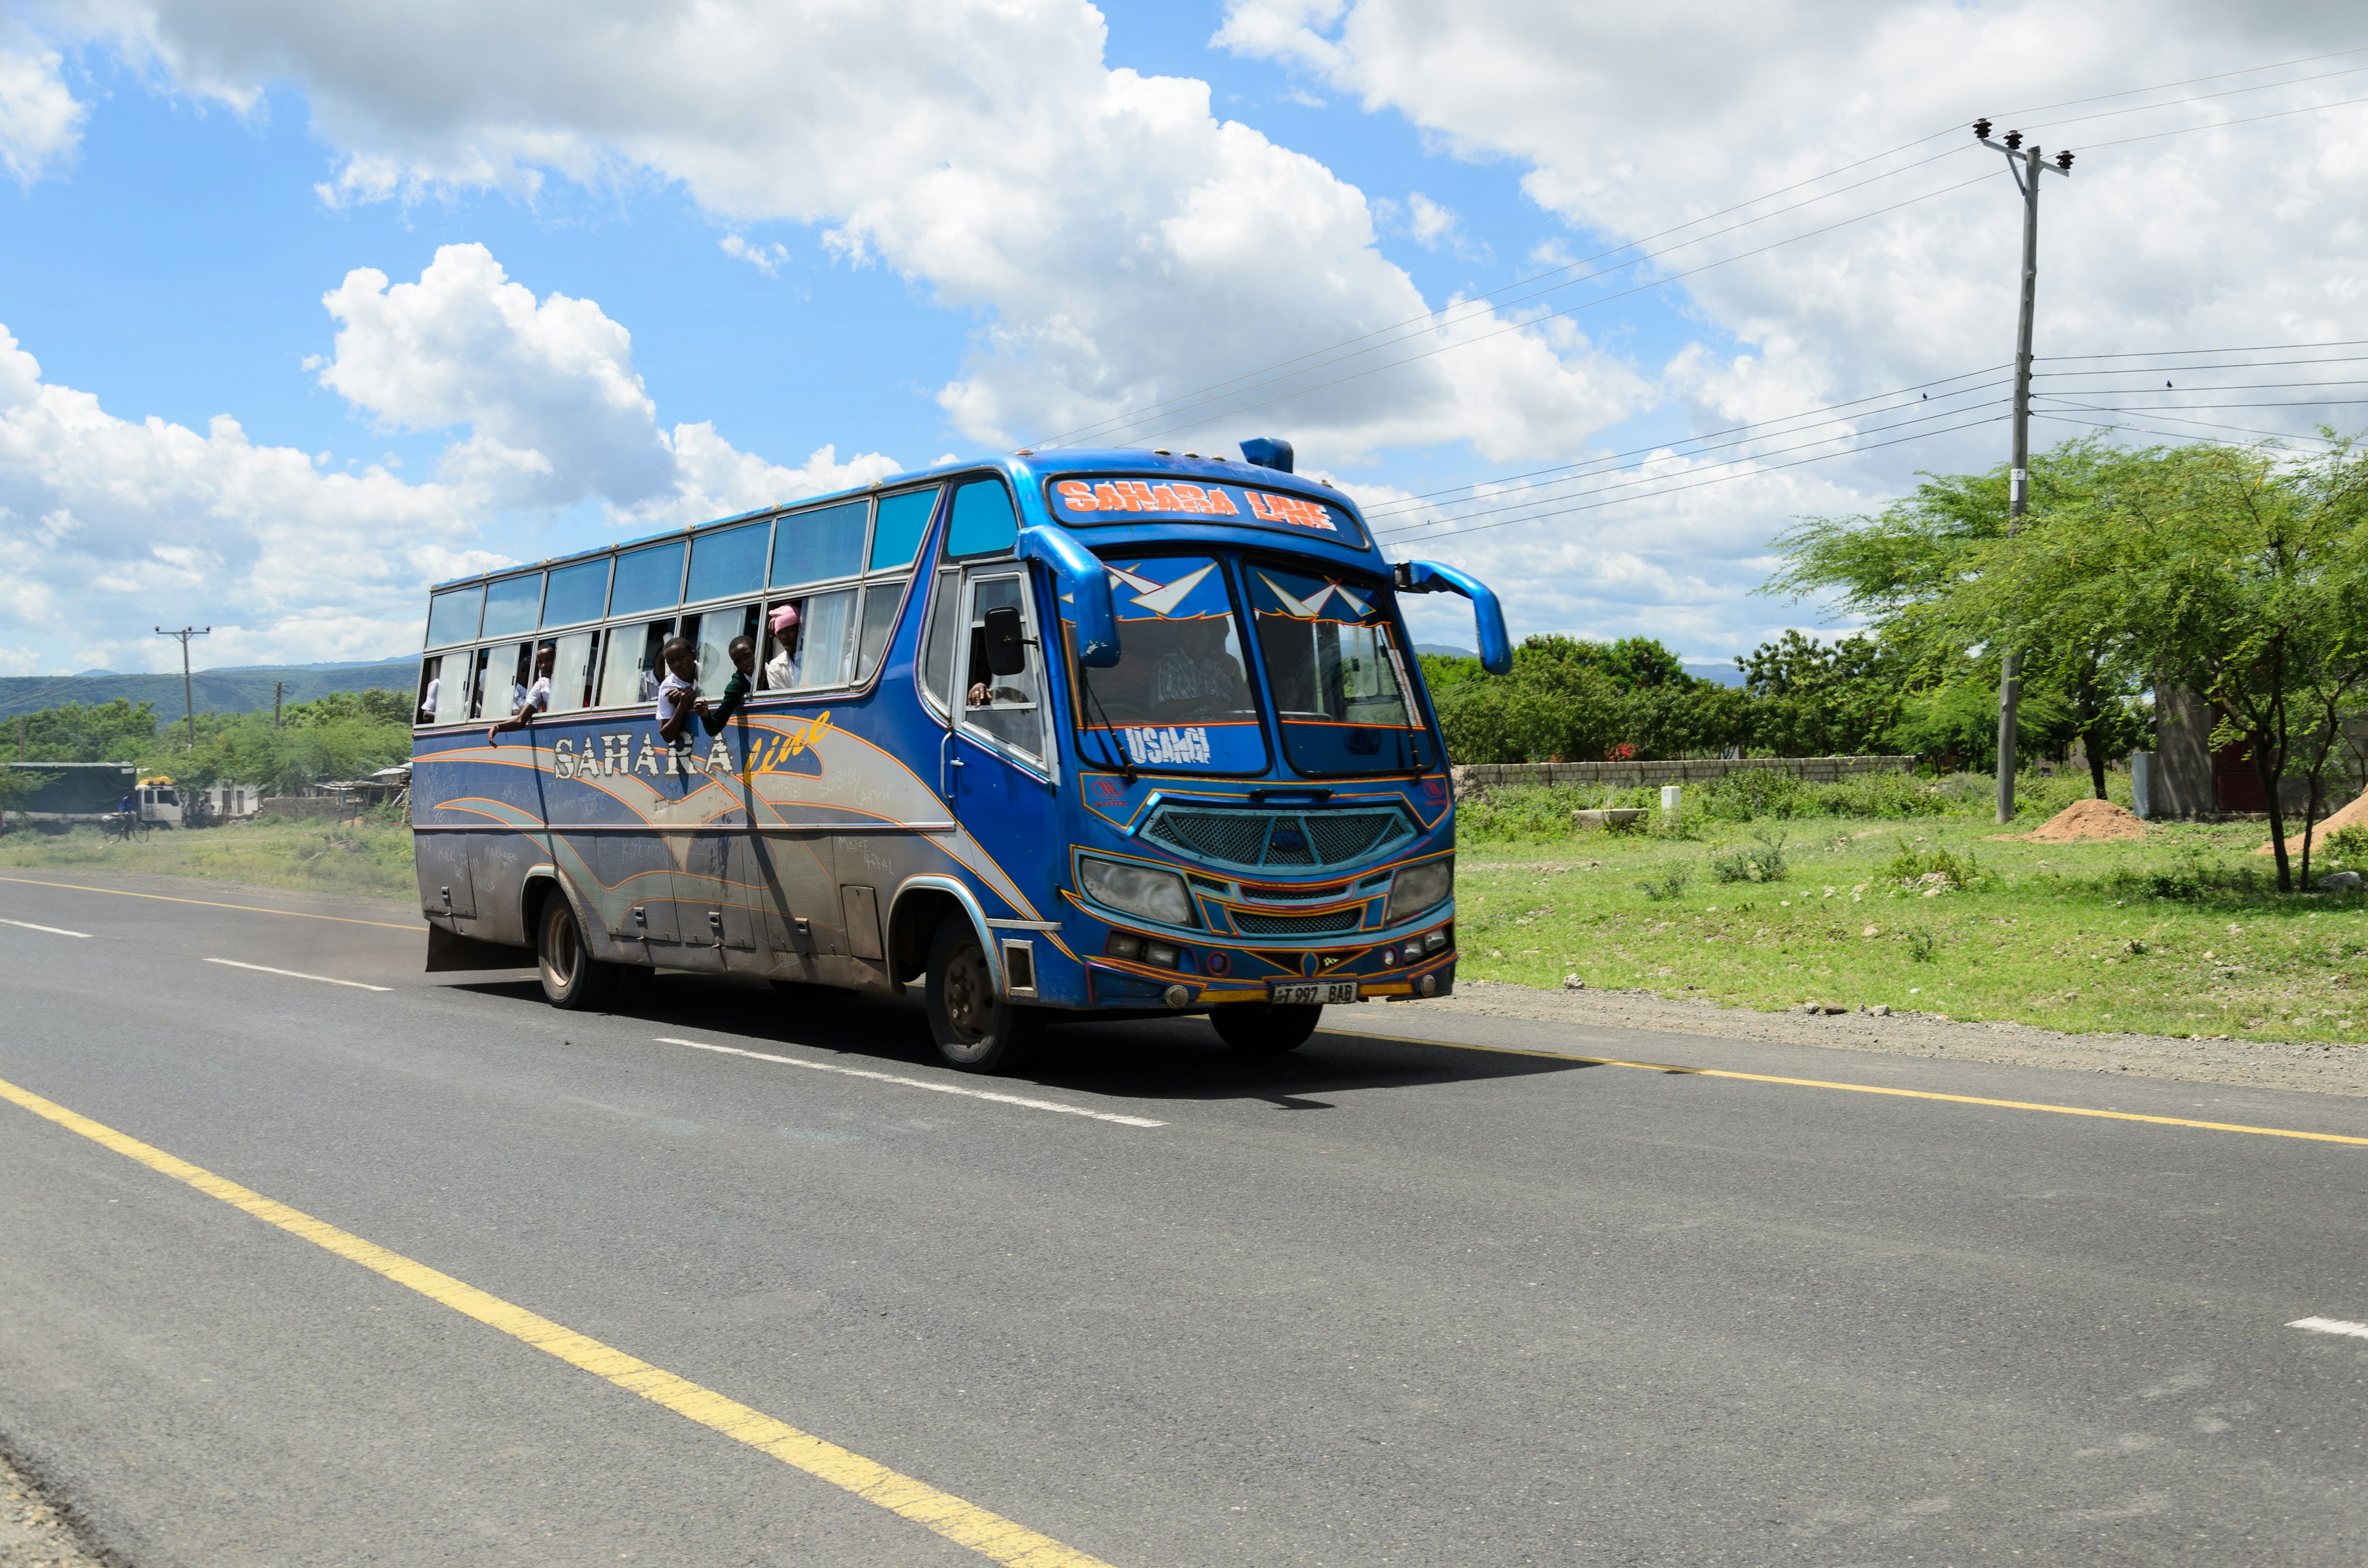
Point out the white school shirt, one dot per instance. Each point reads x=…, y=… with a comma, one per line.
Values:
x=538, y=694
x=671, y=692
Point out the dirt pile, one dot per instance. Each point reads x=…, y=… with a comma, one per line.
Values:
x=2353, y=816
x=2084, y=821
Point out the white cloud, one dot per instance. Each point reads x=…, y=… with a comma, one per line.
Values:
x=766, y=259
x=1430, y=221
x=109, y=526
x=1119, y=243
x=553, y=409
x=1629, y=121
x=41, y=123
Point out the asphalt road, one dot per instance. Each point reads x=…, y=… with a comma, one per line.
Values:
x=1389, y=1301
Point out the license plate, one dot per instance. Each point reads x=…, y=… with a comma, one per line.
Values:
x=1299, y=992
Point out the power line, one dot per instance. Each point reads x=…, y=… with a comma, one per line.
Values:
x=1573, y=309
x=1063, y=438
x=1732, y=478
x=1405, y=502
x=2222, y=365
x=1725, y=462
x=1439, y=321
x=2236, y=386
x=2189, y=81
x=2204, y=424
x=2199, y=97
x=2223, y=124
x=2246, y=348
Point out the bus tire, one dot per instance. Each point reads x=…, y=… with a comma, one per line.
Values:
x=975, y=1030
x=1263, y=1028
x=572, y=977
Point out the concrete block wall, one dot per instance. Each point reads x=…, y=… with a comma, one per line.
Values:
x=1693, y=770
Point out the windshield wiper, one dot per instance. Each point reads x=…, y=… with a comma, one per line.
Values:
x=1105, y=737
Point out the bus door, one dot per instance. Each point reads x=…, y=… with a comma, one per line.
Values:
x=998, y=758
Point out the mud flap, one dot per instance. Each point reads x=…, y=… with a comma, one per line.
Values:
x=447, y=952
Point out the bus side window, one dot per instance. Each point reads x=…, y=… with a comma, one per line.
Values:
x=711, y=633
x=570, y=673
x=937, y=648
x=493, y=680
x=881, y=602
x=453, y=694
x=1008, y=710
x=507, y=666
x=630, y=672
x=431, y=689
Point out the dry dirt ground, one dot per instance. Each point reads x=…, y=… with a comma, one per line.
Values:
x=2264, y=1064
x=31, y=1533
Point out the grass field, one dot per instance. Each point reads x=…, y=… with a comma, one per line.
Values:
x=368, y=859
x=2179, y=933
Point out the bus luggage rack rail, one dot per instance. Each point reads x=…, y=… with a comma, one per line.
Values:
x=1272, y=839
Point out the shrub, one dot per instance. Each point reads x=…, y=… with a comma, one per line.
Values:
x=2345, y=847
x=1936, y=867
x=1921, y=946
x=1670, y=883
x=1763, y=861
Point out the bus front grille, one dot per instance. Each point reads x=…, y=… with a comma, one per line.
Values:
x=1251, y=924
x=1275, y=839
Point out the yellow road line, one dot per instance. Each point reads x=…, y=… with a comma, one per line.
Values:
x=1868, y=1089
x=210, y=904
x=966, y=1524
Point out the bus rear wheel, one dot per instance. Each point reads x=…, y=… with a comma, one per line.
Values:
x=975, y=1030
x=572, y=977
x=1263, y=1028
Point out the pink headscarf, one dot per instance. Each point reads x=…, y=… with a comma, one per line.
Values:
x=784, y=617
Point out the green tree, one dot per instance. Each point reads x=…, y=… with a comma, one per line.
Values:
x=2242, y=577
x=120, y=730
x=1814, y=698
x=1945, y=588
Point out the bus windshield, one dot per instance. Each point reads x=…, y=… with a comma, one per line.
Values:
x=1334, y=667
x=1179, y=694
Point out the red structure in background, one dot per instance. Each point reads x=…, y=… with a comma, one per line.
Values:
x=2234, y=780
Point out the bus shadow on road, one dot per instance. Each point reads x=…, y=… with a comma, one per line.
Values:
x=1150, y=1059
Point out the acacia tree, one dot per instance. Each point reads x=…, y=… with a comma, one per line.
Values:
x=1943, y=586
x=2239, y=574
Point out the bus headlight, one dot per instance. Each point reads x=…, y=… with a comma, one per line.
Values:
x=1139, y=890
x=1419, y=887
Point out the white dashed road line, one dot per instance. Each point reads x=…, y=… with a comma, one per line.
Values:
x=52, y=930
x=2332, y=1325
x=920, y=1083
x=297, y=974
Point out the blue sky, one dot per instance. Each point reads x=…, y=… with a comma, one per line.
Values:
x=986, y=229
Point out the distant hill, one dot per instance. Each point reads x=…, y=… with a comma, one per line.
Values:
x=243, y=690
x=1722, y=671
x=1444, y=651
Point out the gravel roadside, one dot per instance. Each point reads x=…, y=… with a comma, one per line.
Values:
x=32, y=1534
x=2260, y=1064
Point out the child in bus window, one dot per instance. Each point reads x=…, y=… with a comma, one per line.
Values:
x=532, y=699
x=781, y=668
x=736, y=690
x=677, y=699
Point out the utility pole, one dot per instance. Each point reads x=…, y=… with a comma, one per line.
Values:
x=2026, y=167
x=189, y=701
x=278, y=690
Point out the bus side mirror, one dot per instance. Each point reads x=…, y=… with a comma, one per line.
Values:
x=1487, y=614
x=1007, y=643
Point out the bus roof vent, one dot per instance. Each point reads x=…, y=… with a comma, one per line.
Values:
x=1268, y=451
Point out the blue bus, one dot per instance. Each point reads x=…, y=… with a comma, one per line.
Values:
x=1087, y=733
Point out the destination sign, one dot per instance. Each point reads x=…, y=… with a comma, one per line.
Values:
x=1088, y=501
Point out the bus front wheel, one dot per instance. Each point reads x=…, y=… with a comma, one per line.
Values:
x=976, y=1031
x=572, y=977
x=1263, y=1028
